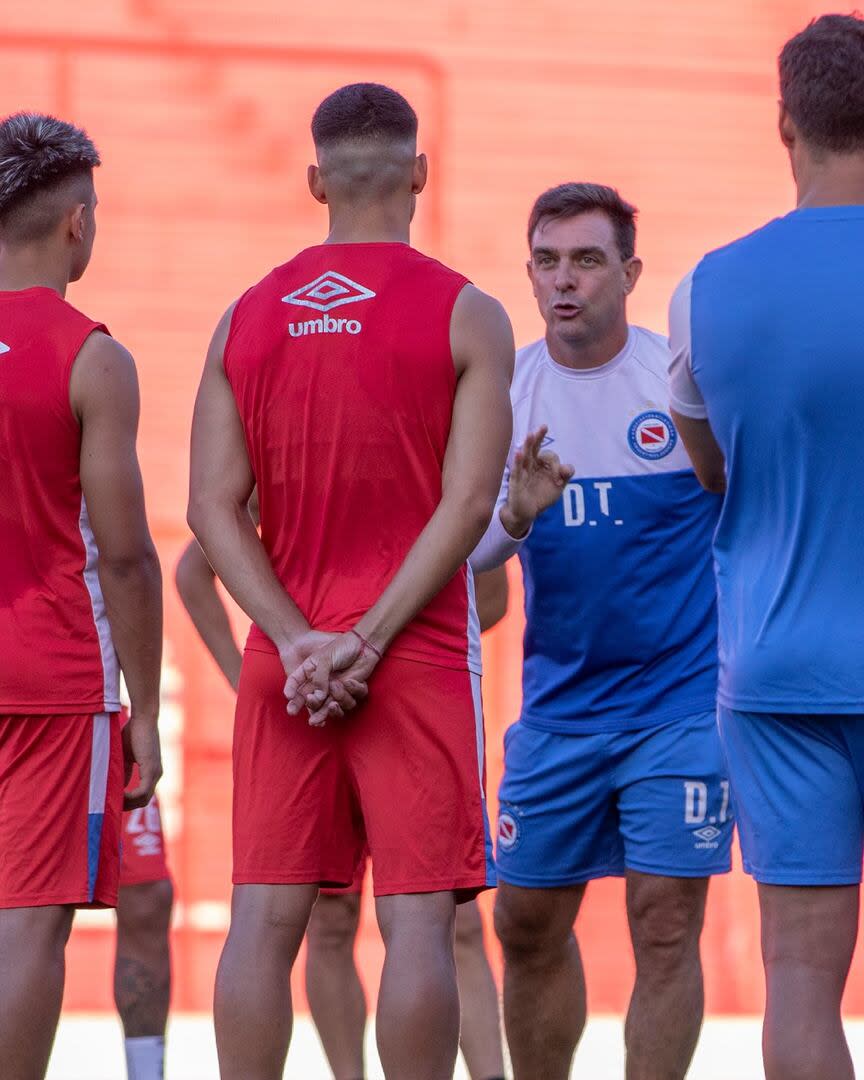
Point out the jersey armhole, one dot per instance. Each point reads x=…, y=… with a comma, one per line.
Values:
x=458, y=289
x=232, y=329
x=69, y=363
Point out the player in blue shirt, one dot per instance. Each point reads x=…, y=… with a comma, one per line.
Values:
x=768, y=381
x=614, y=766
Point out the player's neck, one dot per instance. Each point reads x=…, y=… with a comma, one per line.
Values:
x=838, y=180
x=369, y=225
x=28, y=269
x=590, y=354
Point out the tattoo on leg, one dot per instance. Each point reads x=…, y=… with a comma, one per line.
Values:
x=142, y=995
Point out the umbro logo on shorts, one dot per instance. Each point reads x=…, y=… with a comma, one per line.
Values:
x=327, y=291
x=707, y=837
x=4, y=347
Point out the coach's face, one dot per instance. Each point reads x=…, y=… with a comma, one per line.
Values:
x=579, y=278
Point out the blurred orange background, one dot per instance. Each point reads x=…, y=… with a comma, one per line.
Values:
x=201, y=110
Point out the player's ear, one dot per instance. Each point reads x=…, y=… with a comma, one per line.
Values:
x=420, y=174
x=632, y=272
x=316, y=184
x=78, y=222
x=786, y=126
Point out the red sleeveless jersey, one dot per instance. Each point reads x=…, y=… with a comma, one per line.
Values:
x=341, y=366
x=56, y=653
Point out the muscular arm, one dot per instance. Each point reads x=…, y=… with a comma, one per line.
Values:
x=688, y=407
x=104, y=396
x=221, y=483
x=707, y=457
x=492, y=595
x=196, y=586
x=480, y=430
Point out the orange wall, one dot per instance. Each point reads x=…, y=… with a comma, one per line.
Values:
x=201, y=110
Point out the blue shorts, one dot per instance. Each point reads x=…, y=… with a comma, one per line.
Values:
x=798, y=793
x=577, y=807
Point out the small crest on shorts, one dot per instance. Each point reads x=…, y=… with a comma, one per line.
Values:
x=509, y=831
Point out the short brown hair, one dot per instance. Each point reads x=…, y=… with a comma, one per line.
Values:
x=570, y=200
x=38, y=153
x=364, y=111
x=822, y=82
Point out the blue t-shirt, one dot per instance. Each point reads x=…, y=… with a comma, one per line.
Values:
x=619, y=591
x=768, y=343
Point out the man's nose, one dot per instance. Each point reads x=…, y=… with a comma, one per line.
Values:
x=566, y=278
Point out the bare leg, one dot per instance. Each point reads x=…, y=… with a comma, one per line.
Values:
x=333, y=986
x=544, y=984
x=142, y=966
x=418, y=1003
x=252, y=1007
x=808, y=937
x=32, y=970
x=665, y=1016
x=480, y=1036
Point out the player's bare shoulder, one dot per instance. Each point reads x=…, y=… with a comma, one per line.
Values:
x=480, y=331
x=103, y=369
x=216, y=352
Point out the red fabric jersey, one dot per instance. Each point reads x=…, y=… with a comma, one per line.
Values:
x=56, y=653
x=341, y=366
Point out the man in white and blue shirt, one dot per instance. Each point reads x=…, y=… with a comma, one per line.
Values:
x=768, y=388
x=614, y=767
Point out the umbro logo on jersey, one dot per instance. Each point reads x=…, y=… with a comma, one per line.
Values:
x=4, y=347
x=652, y=435
x=328, y=291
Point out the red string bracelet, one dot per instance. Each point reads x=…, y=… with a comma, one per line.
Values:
x=366, y=644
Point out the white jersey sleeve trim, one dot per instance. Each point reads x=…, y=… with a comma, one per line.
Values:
x=110, y=664
x=684, y=395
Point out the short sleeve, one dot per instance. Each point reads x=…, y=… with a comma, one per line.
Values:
x=684, y=395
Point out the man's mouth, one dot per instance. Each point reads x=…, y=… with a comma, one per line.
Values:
x=566, y=309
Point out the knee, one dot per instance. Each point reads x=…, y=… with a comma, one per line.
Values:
x=526, y=930
x=469, y=928
x=665, y=927
x=333, y=925
x=146, y=908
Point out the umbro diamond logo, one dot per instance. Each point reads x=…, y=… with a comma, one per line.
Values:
x=707, y=834
x=4, y=347
x=328, y=291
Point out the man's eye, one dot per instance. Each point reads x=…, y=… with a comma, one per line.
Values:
x=590, y=260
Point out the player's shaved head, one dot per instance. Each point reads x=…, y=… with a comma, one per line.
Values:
x=46, y=168
x=365, y=136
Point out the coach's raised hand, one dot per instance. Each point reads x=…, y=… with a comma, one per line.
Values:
x=536, y=481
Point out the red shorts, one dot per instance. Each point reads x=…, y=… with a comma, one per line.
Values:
x=143, y=853
x=402, y=777
x=61, y=799
x=356, y=886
